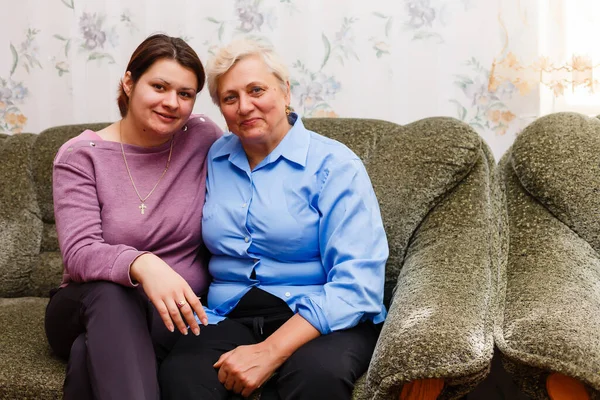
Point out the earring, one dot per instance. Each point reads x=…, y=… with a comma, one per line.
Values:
x=185, y=128
x=288, y=110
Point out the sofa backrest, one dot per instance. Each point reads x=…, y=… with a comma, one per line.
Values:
x=30, y=262
x=48, y=271
x=20, y=223
x=411, y=167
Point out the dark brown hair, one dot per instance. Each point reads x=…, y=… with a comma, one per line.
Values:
x=154, y=48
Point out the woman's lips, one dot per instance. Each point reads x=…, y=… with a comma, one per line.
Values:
x=250, y=122
x=166, y=117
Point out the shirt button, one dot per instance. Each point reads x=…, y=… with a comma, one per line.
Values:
x=202, y=119
x=287, y=294
x=244, y=205
x=92, y=144
x=246, y=239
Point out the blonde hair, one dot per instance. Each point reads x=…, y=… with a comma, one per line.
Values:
x=237, y=50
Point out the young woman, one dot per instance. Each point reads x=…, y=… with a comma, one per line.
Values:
x=128, y=207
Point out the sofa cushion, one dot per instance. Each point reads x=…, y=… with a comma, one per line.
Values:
x=411, y=168
x=49, y=269
x=47, y=274
x=20, y=220
x=557, y=160
x=27, y=370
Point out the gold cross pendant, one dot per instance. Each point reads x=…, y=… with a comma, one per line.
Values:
x=142, y=207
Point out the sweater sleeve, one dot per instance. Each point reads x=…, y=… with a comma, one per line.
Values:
x=86, y=256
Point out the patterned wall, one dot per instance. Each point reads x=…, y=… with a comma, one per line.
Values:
x=398, y=60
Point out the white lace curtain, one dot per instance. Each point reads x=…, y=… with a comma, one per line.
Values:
x=563, y=73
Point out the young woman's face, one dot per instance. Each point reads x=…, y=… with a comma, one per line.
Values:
x=253, y=102
x=163, y=97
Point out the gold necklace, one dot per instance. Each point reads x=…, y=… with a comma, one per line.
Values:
x=143, y=206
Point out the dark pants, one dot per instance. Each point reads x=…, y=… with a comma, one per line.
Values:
x=324, y=368
x=109, y=334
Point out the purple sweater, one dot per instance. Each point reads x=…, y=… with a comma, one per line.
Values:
x=101, y=229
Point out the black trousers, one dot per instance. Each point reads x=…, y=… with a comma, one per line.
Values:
x=324, y=368
x=109, y=335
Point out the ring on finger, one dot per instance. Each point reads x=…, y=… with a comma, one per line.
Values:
x=181, y=303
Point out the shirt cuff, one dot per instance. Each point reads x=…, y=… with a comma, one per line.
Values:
x=120, y=270
x=311, y=312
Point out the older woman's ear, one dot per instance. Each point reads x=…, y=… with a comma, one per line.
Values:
x=288, y=92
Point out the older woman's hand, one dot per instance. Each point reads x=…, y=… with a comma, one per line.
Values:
x=166, y=288
x=246, y=368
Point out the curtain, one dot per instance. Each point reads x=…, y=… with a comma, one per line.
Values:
x=564, y=69
x=397, y=60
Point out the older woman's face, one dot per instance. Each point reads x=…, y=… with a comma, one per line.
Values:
x=253, y=103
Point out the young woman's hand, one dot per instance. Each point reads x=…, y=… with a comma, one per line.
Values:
x=166, y=288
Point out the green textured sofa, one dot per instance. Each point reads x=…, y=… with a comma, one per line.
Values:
x=549, y=320
x=441, y=204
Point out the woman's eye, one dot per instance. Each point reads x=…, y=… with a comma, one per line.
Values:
x=228, y=99
x=256, y=90
x=157, y=86
x=185, y=94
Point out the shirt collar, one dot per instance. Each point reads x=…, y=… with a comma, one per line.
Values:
x=232, y=146
x=294, y=146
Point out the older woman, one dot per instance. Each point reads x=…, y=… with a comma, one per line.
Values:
x=298, y=249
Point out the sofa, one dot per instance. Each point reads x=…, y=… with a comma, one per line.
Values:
x=549, y=289
x=442, y=207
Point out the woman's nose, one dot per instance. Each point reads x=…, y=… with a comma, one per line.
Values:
x=171, y=100
x=245, y=104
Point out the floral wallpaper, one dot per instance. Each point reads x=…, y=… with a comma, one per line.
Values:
x=398, y=60
x=483, y=107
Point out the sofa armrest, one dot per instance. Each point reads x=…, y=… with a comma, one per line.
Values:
x=550, y=318
x=440, y=323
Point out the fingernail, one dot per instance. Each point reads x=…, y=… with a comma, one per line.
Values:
x=196, y=331
x=172, y=329
x=205, y=321
x=185, y=332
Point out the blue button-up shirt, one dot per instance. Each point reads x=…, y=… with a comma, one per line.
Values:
x=305, y=220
